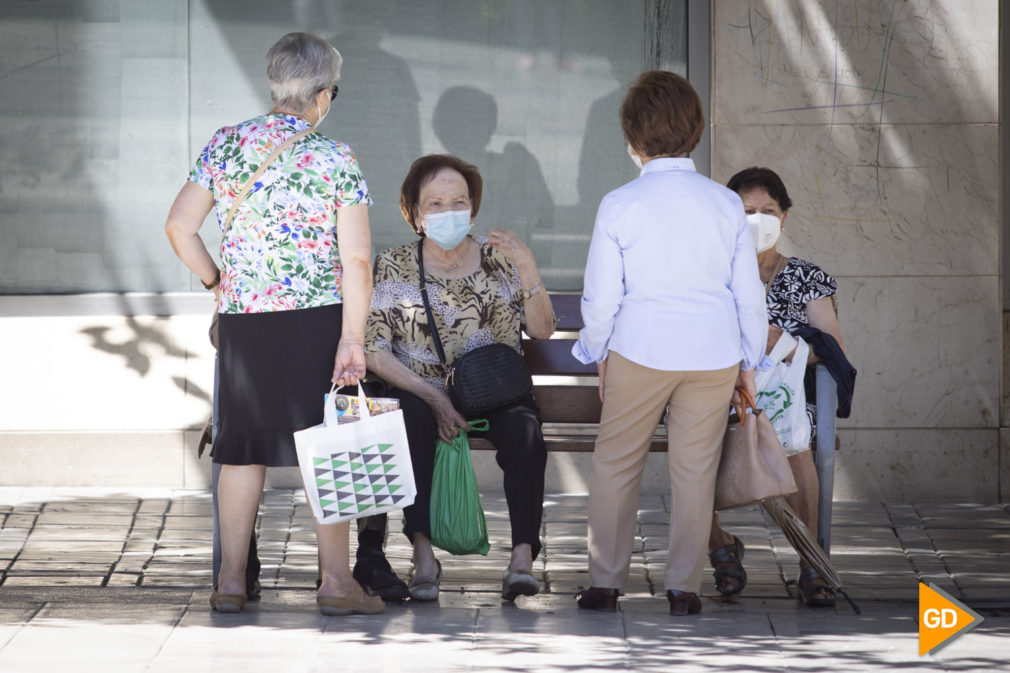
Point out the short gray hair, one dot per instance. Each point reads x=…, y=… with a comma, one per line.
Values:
x=299, y=66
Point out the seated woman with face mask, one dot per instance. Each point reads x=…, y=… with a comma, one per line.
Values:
x=799, y=294
x=481, y=291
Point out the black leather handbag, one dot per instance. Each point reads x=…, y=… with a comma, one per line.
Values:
x=485, y=379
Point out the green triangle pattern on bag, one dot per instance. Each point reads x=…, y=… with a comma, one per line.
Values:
x=355, y=481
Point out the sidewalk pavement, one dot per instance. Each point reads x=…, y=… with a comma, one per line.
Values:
x=118, y=580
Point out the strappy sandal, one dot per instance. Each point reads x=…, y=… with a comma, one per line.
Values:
x=730, y=577
x=814, y=591
x=425, y=589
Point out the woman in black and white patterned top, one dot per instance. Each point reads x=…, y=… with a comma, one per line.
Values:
x=800, y=294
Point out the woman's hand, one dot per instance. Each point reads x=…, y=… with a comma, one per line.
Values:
x=744, y=380
x=349, y=365
x=539, y=311
x=448, y=419
x=507, y=243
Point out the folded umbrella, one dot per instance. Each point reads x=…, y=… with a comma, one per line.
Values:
x=803, y=542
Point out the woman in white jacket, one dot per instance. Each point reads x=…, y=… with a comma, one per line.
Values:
x=674, y=316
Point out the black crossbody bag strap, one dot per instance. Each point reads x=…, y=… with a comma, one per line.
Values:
x=427, y=304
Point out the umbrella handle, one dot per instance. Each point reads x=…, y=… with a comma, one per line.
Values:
x=745, y=401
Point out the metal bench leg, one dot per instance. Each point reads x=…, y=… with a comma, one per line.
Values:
x=827, y=402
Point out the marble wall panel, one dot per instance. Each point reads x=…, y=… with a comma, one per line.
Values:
x=918, y=465
x=827, y=62
x=927, y=350
x=894, y=200
x=1005, y=388
x=1004, y=465
x=107, y=373
x=104, y=458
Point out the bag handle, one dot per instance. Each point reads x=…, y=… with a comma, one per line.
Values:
x=256, y=176
x=745, y=401
x=330, y=417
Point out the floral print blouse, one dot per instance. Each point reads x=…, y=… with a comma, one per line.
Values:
x=480, y=309
x=280, y=252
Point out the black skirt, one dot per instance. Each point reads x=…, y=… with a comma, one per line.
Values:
x=273, y=370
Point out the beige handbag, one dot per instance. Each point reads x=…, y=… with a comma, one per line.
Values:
x=754, y=466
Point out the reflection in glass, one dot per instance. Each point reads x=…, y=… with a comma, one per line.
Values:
x=105, y=106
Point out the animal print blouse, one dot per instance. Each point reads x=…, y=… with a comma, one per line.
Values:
x=480, y=309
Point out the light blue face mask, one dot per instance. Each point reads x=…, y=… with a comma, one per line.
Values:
x=448, y=229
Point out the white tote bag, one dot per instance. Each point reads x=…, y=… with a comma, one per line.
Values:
x=352, y=470
x=780, y=394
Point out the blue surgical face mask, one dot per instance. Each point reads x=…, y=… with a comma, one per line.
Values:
x=448, y=229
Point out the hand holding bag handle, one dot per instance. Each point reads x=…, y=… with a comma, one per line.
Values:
x=753, y=466
x=353, y=470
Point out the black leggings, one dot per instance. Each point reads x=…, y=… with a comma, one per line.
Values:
x=520, y=452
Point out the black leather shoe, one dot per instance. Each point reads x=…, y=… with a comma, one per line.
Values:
x=253, y=591
x=376, y=576
x=597, y=598
x=683, y=603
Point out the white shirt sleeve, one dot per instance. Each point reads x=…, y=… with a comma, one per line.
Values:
x=751, y=308
x=603, y=289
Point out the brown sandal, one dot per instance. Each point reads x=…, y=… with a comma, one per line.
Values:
x=814, y=591
x=730, y=577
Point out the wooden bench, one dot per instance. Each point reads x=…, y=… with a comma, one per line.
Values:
x=567, y=393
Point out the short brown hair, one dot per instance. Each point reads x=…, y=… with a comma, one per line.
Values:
x=424, y=169
x=661, y=115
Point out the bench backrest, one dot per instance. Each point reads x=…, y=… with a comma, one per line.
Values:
x=566, y=390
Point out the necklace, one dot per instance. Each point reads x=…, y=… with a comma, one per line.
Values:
x=458, y=262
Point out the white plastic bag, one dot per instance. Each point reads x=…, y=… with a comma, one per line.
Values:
x=781, y=395
x=353, y=470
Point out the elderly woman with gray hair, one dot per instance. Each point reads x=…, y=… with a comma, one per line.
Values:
x=293, y=295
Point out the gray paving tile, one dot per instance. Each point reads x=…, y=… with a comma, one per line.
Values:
x=164, y=560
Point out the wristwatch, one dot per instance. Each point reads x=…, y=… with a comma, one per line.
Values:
x=529, y=293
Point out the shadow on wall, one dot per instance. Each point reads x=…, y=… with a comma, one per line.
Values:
x=87, y=140
x=376, y=112
x=515, y=194
x=881, y=119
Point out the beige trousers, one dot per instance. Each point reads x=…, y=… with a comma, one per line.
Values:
x=634, y=400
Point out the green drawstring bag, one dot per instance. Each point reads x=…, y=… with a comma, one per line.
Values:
x=457, y=518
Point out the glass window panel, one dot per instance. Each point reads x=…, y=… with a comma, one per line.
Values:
x=106, y=105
